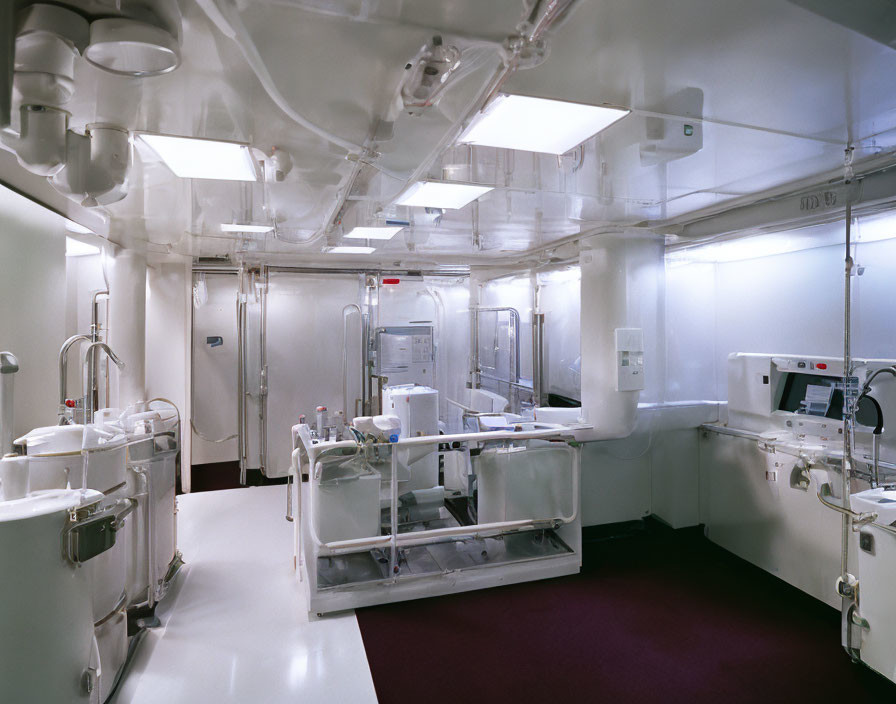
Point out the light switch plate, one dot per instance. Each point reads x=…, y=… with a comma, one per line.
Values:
x=629, y=359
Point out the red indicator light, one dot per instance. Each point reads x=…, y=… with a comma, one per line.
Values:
x=69, y=403
x=391, y=281
x=821, y=365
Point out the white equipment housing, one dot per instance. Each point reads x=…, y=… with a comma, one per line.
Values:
x=763, y=474
x=417, y=407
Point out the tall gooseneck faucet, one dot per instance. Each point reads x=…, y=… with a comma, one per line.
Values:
x=90, y=372
x=63, y=374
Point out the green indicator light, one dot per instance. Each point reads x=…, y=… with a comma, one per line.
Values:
x=688, y=130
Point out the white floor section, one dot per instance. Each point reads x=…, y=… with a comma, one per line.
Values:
x=234, y=627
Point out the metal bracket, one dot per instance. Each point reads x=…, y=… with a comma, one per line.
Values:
x=91, y=533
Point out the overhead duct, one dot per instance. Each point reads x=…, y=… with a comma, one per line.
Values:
x=823, y=203
x=89, y=168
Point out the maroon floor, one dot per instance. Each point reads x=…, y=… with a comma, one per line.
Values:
x=224, y=475
x=658, y=616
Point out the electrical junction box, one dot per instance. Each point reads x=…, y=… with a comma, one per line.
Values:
x=629, y=359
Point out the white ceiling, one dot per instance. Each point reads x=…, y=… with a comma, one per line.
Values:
x=783, y=91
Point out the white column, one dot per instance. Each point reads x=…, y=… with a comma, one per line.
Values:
x=127, y=325
x=618, y=270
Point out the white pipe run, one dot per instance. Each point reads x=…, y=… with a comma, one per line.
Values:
x=89, y=168
x=127, y=324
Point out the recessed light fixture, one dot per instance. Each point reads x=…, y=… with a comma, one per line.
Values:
x=203, y=158
x=131, y=48
x=373, y=233
x=351, y=250
x=537, y=124
x=77, y=248
x=234, y=227
x=442, y=194
x=72, y=226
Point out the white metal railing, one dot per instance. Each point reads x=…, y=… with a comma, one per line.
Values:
x=394, y=540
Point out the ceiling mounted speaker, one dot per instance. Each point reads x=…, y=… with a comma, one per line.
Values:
x=131, y=48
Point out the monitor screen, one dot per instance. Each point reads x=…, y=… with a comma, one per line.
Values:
x=819, y=395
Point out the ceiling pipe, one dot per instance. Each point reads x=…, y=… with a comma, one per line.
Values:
x=821, y=204
x=525, y=49
x=91, y=168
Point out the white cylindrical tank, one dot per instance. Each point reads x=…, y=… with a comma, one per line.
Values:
x=45, y=607
x=59, y=457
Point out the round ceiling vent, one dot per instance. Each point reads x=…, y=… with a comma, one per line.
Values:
x=131, y=48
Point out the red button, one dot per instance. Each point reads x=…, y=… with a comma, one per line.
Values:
x=69, y=403
x=821, y=365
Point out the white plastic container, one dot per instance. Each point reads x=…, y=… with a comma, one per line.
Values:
x=14, y=478
x=516, y=484
x=347, y=503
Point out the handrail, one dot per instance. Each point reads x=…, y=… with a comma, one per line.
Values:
x=858, y=518
x=395, y=540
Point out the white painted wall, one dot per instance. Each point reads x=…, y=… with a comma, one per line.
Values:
x=32, y=309
x=778, y=293
x=168, y=320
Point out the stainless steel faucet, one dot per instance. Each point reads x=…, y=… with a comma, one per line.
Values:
x=63, y=375
x=90, y=373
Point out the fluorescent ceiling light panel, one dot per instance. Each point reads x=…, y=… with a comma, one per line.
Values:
x=537, y=124
x=232, y=227
x=373, y=233
x=441, y=194
x=77, y=248
x=351, y=250
x=203, y=158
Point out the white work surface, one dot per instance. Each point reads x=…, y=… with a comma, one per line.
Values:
x=234, y=625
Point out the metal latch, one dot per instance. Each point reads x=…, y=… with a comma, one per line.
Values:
x=91, y=533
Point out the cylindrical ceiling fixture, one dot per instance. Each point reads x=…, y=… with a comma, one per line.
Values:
x=128, y=47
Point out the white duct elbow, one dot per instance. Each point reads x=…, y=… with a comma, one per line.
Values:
x=40, y=145
x=96, y=166
x=48, y=40
x=90, y=168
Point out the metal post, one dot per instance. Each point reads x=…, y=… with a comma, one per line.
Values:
x=241, y=374
x=9, y=365
x=263, y=376
x=393, y=517
x=538, y=381
x=474, y=348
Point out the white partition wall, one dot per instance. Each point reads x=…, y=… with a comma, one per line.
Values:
x=214, y=366
x=32, y=319
x=304, y=353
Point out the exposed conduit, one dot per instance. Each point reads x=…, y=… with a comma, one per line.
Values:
x=228, y=22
